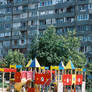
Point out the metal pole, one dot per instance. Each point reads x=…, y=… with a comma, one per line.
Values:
x=3, y=83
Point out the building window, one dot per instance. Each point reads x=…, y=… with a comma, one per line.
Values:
x=2, y=11
x=6, y=43
x=90, y=6
x=15, y=33
x=8, y=34
x=32, y=6
x=83, y=8
x=60, y=20
x=1, y=26
x=59, y=31
x=17, y=1
x=42, y=22
x=22, y=41
x=17, y=16
x=1, y=18
x=1, y=45
x=83, y=17
x=3, y=2
x=8, y=9
x=8, y=18
x=70, y=19
x=48, y=21
x=42, y=13
x=90, y=16
x=24, y=15
x=1, y=34
x=83, y=28
x=15, y=42
x=25, y=7
x=45, y=3
x=16, y=25
x=7, y=26
x=33, y=13
x=90, y=59
x=83, y=49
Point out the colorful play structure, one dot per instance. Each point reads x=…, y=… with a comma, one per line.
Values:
x=38, y=78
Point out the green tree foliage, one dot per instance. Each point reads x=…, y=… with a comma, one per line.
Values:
x=89, y=68
x=13, y=57
x=51, y=48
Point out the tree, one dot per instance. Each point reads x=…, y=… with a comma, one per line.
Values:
x=51, y=48
x=13, y=57
x=89, y=68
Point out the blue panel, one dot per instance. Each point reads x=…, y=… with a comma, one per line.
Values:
x=18, y=66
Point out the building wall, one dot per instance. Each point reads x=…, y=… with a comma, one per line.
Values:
x=20, y=20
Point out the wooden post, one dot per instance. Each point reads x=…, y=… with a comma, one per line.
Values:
x=75, y=83
x=51, y=74
x=10, y=80
x=3, y=83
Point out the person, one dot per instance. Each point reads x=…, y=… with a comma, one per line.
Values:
x=23, y=89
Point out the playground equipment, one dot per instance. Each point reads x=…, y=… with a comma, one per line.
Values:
x=38, y=78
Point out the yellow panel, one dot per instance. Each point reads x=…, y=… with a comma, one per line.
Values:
x=54, y=68
x=29, y=63
x=68, y=66
x=1, y=69
x=73, y=79
x=13, y=66
x=42, y=67
x=78, y=69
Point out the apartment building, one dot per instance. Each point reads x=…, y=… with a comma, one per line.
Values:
x=21, y=20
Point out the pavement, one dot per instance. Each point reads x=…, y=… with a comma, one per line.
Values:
x=3, y=90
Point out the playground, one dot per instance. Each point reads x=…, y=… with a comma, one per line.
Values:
x=38, y=78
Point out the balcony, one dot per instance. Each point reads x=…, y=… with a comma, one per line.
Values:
x=83, y=1
x=18, y=46
x=64, y=24
x=65, y=4
x=23, y=2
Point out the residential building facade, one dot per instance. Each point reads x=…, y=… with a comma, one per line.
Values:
x=21, y=20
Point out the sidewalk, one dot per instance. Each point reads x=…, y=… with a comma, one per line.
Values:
x=4, y=90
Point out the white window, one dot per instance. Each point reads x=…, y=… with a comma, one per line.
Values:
x=31, y=6
x=2, y=11
x=20, y=8
x=24, y=15
x=29, y=23
x=6, y=43
x=3, y=2
x=15, y=33
x=54, y=2
x=64, y=1
x=1, y=34
x=72, y=19
x=8, y=18
x=82, y=17
x=8, y=34
x=50, y=11
x=90, y=6
x=48, y=21
x=16, y=25
x=33, y=13
x=53, y=21
x=42, y=13
x=16, y=16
